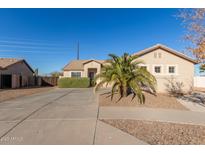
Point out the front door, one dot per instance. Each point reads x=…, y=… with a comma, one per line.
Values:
x=91, y=75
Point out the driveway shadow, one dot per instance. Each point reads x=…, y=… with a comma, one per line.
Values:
x=196, y=97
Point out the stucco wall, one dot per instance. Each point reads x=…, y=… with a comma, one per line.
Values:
x=17, y=70
x=184, y=69
x=91, y=65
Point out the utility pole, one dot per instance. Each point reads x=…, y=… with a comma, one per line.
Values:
x=78, y=50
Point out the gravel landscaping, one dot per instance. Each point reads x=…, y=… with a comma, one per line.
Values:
x=159, y=101
x=161, y=132
x=14, y=93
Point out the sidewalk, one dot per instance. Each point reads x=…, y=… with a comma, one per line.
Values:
x=150, y=114
x=196, y=107
x=108, y=135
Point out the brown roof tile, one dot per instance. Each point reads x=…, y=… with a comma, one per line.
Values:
x=157, y=46
x=78, y=64
x=5, y=62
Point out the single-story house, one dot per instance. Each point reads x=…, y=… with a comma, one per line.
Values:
x=15, y=73
x=164, y=63
x=83, y=68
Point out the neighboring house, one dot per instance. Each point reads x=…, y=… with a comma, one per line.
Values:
x=82, y=68
x=164, y=63
x=15, y=73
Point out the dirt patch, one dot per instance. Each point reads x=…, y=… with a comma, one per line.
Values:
x=161, y=132
x=159, y=101
x=14, y=93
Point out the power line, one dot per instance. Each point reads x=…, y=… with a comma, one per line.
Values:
x=29, y=43
x=32, y=47
x=23, y=39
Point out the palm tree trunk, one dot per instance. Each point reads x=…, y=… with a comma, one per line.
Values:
x=125, y=91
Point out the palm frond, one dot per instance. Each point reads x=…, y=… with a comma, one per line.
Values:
x=125, y=73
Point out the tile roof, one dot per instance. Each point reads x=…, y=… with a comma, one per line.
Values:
x=157, y=46
x=78, y=64
x=5, y=62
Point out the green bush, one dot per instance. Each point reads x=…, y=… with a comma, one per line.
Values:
x=73, y=83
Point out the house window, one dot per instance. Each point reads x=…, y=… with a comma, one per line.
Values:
x=75, y=74
x=157, y=55
x=172, y=69
x=157, y=69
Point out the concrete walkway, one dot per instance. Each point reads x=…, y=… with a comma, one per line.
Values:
x=108, y=135
x=153, y=114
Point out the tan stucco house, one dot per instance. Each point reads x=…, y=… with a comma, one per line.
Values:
x=168, y=64
x=163, y=62
x=15, y=73
x=82, y=68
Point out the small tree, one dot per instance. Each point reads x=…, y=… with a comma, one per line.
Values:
x=56, y=74
x=194, y=21
x=125, y=74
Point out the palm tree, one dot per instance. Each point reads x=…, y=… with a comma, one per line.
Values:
x=125, y=75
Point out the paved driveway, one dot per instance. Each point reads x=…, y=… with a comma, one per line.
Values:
x=69, y=116
x=60, y=116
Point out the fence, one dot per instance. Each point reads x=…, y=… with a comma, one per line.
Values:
x=199, y=81
x=47, y=81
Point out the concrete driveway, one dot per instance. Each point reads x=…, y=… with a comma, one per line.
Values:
x=60, y=116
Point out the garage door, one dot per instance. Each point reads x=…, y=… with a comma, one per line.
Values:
x=6, y=81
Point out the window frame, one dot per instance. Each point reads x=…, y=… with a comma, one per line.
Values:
x=75, y=76
x=161, y=70
x=144, y=65
x=159, y=55
x=157, y=69
x=155, y=54
x=176, y=69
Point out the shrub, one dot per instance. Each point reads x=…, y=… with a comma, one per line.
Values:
x=73, y=83
x=174, y=87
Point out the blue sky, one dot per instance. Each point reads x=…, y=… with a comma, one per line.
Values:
x=47, y=38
